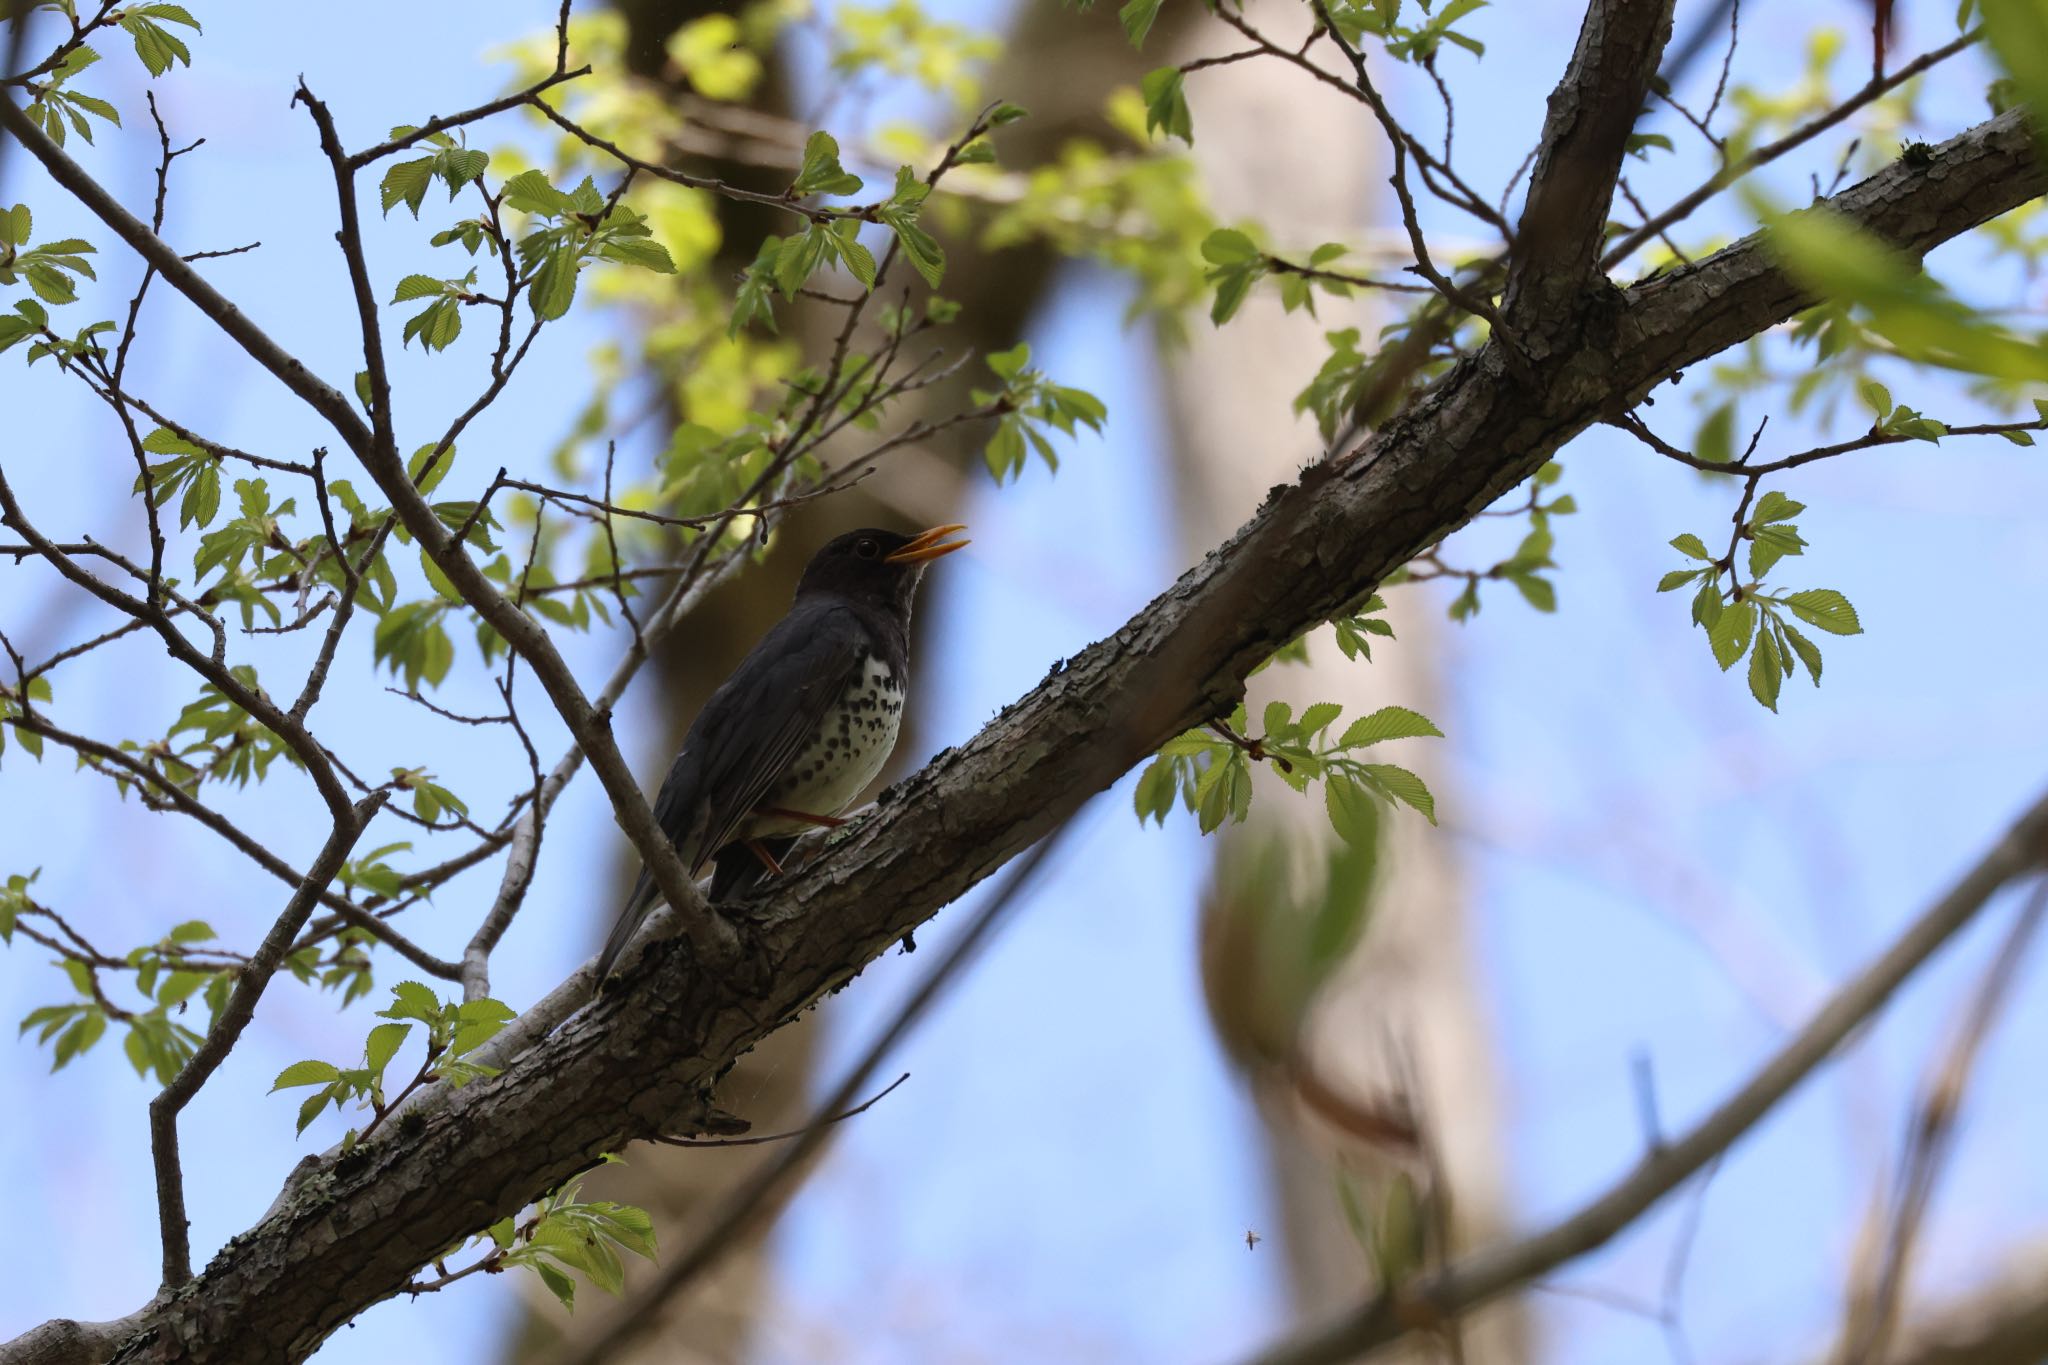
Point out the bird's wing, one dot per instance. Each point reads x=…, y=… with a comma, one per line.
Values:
x=754, y=726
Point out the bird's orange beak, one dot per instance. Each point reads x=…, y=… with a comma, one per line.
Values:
x=928, y=545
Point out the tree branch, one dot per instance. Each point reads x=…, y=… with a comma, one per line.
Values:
x=1592, y=111
x=1477, y=1278
x=221, y=1038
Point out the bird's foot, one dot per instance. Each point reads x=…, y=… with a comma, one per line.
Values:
x=760, y=850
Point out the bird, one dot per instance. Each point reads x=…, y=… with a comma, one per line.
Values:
x=803, y=724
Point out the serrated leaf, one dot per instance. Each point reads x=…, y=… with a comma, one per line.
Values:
x=1403, y=786
x=1765, y=671
x=1825, y=608
x=1729, y=634
x=1808, y=652
x=1389, y=722
x=309, y=1072
x=405, y=182
x=1676, y=579
x=821, y=172
x=1775, y=506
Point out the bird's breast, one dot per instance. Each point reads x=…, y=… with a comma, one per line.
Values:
x=853, y=741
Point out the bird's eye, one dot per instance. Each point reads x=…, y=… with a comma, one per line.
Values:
x=866, y=548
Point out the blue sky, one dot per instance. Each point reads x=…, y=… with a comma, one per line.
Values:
x=1068, y=1173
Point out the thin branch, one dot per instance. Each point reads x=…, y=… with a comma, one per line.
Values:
x=2019, y=852
x=757, y=1140
x=1874, y=1312
x=1771, y=151
x=241, y=1007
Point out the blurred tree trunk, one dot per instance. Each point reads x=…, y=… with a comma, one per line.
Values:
x=1396, y=1044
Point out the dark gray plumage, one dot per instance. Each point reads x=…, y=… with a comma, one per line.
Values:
x=803, y=724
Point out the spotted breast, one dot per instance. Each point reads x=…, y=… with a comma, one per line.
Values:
x=847, y=752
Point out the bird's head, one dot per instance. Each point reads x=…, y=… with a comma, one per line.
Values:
x=877, y=566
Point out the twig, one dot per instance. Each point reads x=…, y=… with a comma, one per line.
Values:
x=241, y=1006
x=1874, y=1312
x=1771, y=151
x=753, y=1140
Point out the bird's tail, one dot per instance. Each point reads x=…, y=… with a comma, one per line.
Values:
x=630, y=917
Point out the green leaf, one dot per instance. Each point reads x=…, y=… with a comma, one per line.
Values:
x=1808, y=652
x=553, y=286
x=1707, y=604
x=383, y=1044
x=413, y=1000
x=417, y=287
x=1402, y=785
x=157, y=46
x=1539, y=591
x=1137, y=17
x=1775, y=506
x=821, y=172
x=1389, y=722
x=1877, y=396
x=558, y=1284
x=1007, y=365
x=1691, y=546
x=1157, y=787
x=1317, y=715
x=1825, y=608
x=1765, y=671
x=927, y=257
x=1166, y=104
x=1228, y=246
x=2018, y=32
x=1006, y=112
x=1729, y=635
x=417, y=466
x=754, y=300
x=310, y=1110
x=1677, y=578
x=530, y=192
x=1352, y=813
x=405, y=182
x=1716, y=441
x=1833, y=257
x=858, y=260
x=1769, y=544
x=309, y=1072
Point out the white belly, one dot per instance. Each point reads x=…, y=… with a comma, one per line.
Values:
x=848, y=754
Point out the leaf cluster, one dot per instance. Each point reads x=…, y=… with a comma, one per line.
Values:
x=453, y=1029
x=1208, y=770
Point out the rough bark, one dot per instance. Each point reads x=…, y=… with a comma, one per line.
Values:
x=631, y=1062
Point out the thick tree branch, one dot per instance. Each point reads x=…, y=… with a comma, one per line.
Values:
x=358, y=1227
x=1585, y=136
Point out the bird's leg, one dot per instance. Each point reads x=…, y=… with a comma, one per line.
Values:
x=760, y=850
x=821, y=821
